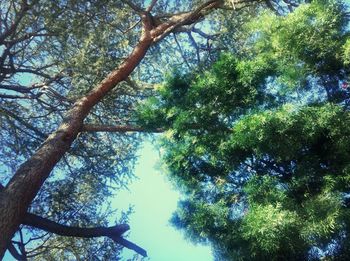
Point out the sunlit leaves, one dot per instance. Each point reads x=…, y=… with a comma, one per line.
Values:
x=322, y=218
x=309, y=40
x=268, y=227
x=272, y=164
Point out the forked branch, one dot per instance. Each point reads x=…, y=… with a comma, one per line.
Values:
x=114, y=232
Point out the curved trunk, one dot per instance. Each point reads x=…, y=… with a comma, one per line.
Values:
x=16, y=197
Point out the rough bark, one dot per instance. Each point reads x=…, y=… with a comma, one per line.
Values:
x=26, y=182
x=16, y=197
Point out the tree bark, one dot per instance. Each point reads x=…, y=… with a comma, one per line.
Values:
x=28, y=179
x=16, y=197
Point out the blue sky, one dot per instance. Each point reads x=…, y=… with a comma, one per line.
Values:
x=154, y=201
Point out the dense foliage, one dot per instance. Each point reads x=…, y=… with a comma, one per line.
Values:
x=260, y=144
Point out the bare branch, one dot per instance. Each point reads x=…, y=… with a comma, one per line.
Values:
x=23, y=122
x=181, y=52
x=13, y=251
x=10, y=96
x=16, y=88
x=186, y=18
x=195, y=45
x=62, y=230
x=13, y=27
x=130, y=245
x=131, y=27
x=21, y=245
x=113, y=232
x=118, y=128
x=191, y=28
x=152, y=4
x=204, y=35
x=133, y=6
x=26, y=37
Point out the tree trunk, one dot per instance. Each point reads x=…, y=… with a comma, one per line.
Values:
x=16, y=197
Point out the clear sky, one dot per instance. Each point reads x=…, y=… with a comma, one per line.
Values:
x=154, y=201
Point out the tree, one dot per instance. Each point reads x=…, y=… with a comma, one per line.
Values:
x=258, y=142
x=65, y=74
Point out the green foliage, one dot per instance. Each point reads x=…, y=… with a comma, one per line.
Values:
x=292, y=130
x=323, y=219
x=268, y=227
x=264, y=167
x=264, y=190
x=346, y=54
x=201, y=101
x=308, y=41
x=203, y=219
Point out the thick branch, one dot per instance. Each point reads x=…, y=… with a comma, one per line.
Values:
x=16, y=88
x=10, y=96
x=118, y=128
x=152, y=4
x=114, y=232
x=24, y=185
x=187, y=18
x=130, y=245
x=62, y=230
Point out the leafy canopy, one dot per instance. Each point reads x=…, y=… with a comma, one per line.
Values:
x=259, y=142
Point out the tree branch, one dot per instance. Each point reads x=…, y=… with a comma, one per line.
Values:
x=30, y=176
x=23, y=122
x=193, y=41
x=181, y=52
x=152, y=4
x=118, y=128
x=62, y=230
x=133, y=6
x=24, y=8
x=113, y=232
x=130, y=245
x=180, y=19
x=204, y=35
x=16, y=88
x=13, y=251
x=10, y=96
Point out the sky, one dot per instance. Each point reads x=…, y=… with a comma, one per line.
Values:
x=154, y=201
